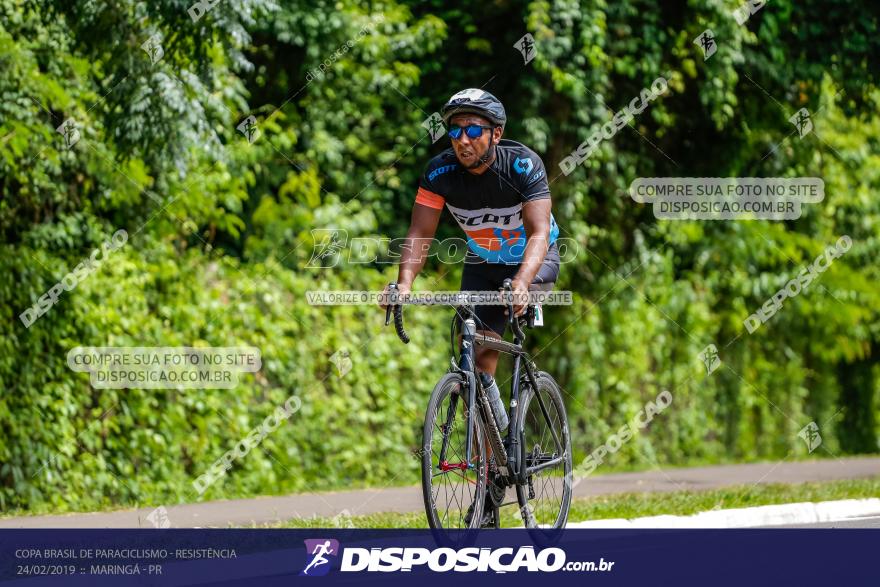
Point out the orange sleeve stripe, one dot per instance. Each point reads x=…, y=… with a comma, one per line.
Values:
x=430, y=199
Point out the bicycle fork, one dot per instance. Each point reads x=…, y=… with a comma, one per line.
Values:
x=465, y=368
x=468, y=362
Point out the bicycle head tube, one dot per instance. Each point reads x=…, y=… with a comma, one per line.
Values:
x=468, y=334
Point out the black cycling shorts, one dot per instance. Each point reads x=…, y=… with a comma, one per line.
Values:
x=479, y=275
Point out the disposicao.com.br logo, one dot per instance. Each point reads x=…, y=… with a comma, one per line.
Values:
x=471, y=559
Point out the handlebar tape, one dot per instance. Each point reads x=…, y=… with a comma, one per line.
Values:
x=398, y=324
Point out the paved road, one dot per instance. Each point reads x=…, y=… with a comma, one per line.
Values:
x=266, y=510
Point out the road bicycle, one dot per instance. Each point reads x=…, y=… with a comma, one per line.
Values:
x=459, y=479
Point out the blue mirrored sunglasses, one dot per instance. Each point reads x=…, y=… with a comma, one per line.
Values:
x=474, y=131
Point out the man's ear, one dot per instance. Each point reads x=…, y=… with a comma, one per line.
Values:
x=496, y=134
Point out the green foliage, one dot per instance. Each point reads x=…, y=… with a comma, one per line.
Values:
x=220, y=229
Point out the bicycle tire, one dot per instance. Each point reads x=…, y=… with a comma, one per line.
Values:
x=431, y=443
x=533, y=449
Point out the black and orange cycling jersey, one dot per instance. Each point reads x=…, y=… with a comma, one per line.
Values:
x=488, y=207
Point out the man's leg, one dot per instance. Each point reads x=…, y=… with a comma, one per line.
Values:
x=487, y=359
x=490, y=319
x=487, y=362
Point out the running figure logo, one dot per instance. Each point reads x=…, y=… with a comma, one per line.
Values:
x=526, y=46
x=710, y=358
x=70, y=131
x=434, y=125
x=810, y=435
x=318, y=549
x=248, y=127
x=802, y=122
x=706, y=42
x=153, y=47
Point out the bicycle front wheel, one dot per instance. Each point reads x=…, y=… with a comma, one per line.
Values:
x=545, y=450
x=453, y=487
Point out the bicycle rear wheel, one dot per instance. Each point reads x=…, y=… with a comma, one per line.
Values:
x=451, y=486
x=546, y=497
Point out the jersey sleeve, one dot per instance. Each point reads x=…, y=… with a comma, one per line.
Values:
x=428, y=198
x=429, y=194
x=529, y=169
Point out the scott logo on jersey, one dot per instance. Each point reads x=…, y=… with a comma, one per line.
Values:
x=495, y=234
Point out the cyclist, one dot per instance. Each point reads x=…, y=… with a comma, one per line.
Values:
x=497, y=192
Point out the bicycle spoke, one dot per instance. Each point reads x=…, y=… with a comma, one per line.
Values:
x=541, y=431
x=472, y=482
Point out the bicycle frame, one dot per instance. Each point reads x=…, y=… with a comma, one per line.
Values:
x=467, y=367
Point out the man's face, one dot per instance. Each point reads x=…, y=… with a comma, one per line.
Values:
x=470, y=150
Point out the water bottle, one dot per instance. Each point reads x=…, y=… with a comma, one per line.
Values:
x=495, y=402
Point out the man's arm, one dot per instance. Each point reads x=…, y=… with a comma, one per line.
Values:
x=536, y=220
x=422, y=227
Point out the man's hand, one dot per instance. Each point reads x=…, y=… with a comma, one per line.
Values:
x=520, y=296
x=402, y=288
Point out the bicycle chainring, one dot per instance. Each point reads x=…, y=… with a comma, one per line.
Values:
x=496, y=494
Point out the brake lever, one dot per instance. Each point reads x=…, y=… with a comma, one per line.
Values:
x=507, y=285
x=388, y=307
x=398, y=316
